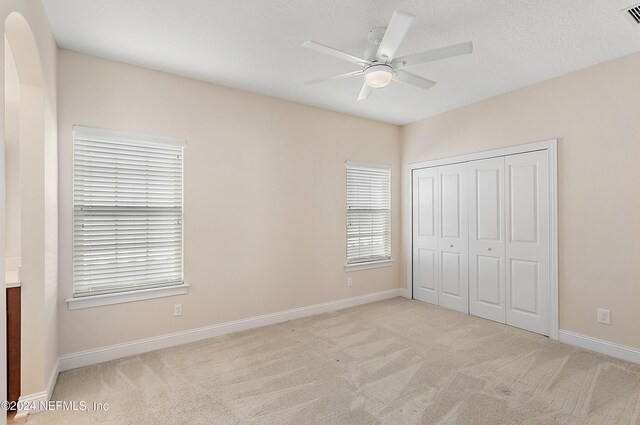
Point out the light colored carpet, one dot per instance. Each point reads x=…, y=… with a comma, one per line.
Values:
x=393, y=362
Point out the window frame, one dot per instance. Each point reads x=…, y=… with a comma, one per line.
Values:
x=378, y=262
x=128, y=293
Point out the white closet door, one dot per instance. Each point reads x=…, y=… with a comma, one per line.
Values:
x=453, y=238
x=527, y=248
x=487, y=239
x=425, y=235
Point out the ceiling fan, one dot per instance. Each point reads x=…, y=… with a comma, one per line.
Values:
x=380, y=65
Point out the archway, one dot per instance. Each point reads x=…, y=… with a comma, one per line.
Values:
x=24, y=210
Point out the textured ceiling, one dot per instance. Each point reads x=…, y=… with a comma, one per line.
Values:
x=255, y=44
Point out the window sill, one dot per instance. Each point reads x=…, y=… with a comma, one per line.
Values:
x=369, y=265
x=125, y=297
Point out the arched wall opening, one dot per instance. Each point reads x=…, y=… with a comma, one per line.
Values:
x=24, y=157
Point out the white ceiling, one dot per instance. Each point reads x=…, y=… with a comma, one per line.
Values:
x=255, y=45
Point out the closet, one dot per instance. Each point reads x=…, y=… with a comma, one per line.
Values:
x=481, y=238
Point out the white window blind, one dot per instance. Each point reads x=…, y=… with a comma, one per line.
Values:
x=127, y=212
x=368, y=213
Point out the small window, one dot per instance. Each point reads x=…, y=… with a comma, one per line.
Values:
x=368, y=213
x=127, y=212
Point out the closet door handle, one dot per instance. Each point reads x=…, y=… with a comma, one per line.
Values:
x=488, y=249
x=450, y=245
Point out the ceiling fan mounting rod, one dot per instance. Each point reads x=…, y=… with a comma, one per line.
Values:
x=376, y=35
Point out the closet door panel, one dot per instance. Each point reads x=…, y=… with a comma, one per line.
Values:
x=527, y=247
x=453, y=241
x=487, y=239
x=425, y=235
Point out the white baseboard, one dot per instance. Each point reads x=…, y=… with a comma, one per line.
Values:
x=53, y=378
x=403, y=293
x=32, y=403
x=600, y=346
x=103, y=354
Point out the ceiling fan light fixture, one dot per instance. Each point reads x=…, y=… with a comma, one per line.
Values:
x=378, y=76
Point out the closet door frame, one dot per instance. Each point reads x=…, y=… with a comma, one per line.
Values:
x=550, y=146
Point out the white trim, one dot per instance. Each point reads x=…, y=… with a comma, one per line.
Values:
x=103, y=354
x=407, y=229
x=92, y=133
x=600, y=346
x=368, y=265
x=127, y=296
x=403, y=293
x=53, y=379
x=551, y=147
x=510, y=150
x=32, y=400
x=554, y=324
x=37, y=399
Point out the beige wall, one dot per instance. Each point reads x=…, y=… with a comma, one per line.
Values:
x=264, y=197
x=594, y=115
x=25, y=25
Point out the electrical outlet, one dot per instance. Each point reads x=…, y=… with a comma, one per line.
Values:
x=349, y=281
x=604, y=316
x=177, y=310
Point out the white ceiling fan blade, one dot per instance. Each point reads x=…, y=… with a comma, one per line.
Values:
x=364, y=92
x=433, y=55
x=334, y=77
x=413, y=80
x=393, y=36
x=335, y=53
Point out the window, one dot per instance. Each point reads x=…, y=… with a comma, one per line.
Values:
x=368, y=213
x=127, y=212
